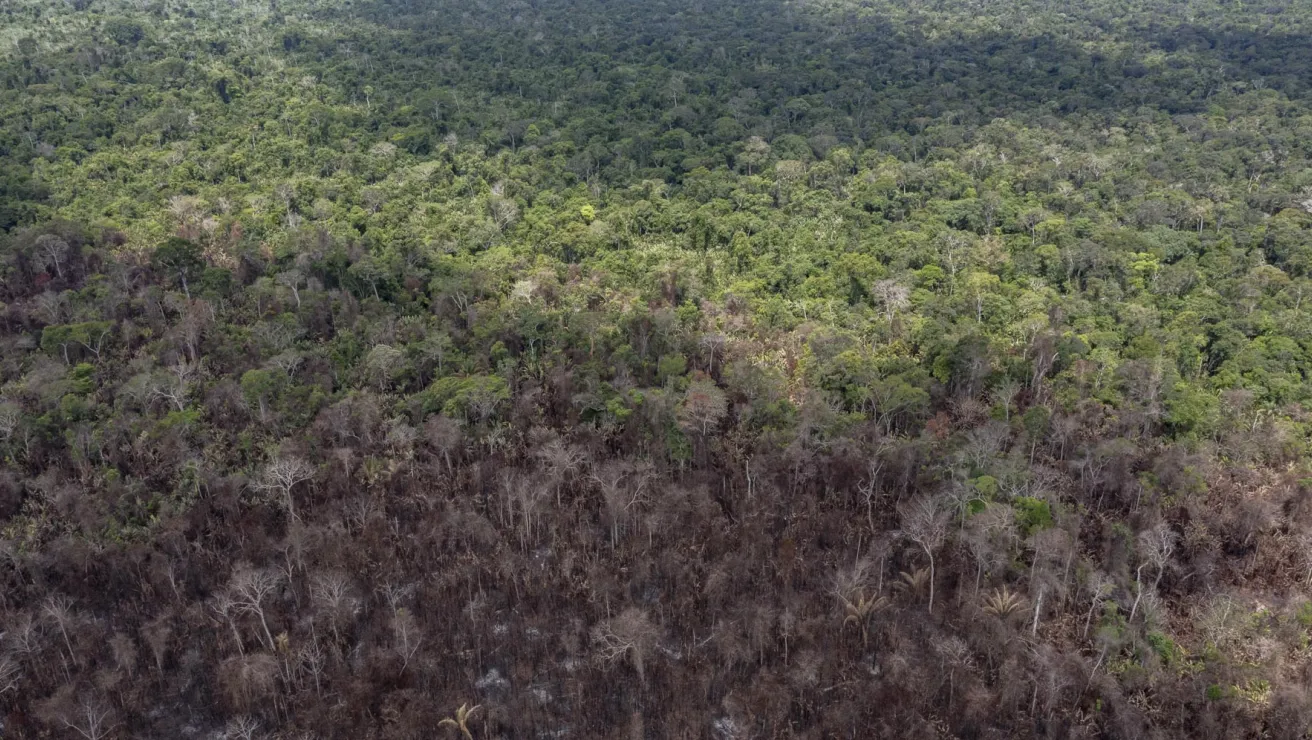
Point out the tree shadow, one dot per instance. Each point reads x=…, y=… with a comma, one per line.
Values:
x=860, y=75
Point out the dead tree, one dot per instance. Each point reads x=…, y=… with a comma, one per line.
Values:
x=248, y=590
x=630, y=636
x=925, y=524
x=281, y=475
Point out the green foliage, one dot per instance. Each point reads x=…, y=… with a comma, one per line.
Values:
x=471, y=397
x=261, y=389
x=1035, y=420
x=181, y=259
x=660, y=289
x=180, y=420
x=81, y=378
x=1193, y=411
x=987, y=486
x=1256, y=691
x=124, y=31
x=1170, y=653
x=73, y=408
x=75, y=340
x=670, y=368
x=1304, y=615
x=1032, y=514
x=217, y=282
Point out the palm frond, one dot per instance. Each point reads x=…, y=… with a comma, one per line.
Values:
x=1003, y=602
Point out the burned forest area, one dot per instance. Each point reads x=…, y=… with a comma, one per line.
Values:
x=725, y=369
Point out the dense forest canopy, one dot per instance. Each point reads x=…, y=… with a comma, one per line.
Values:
x=664, y=369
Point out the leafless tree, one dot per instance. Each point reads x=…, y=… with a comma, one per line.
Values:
x=444, y=435
x=51, y=251
x=185, y=208
x=124, y=650
x=1052, y=548
x=960, y=496
x=1098, y=587
x=524, y=499
x=1050, y=680
x=241, y=728
x=358, y=511
x=248, y=678
x=704, y=405
x=281, y=475
x=288, y=361
x=869, y=486
x=983, y=445
x=1156, y=545
x=504, y=212
x=292, y=279
x=622, y=487
x=91, y=719
x=225, y=608
x=560, y=459
x=955, y=655
x=1004, y=394
x=893, y=296
x=59, y=609
x=854, y=579
x=926, y=524
x=278, y=335
x=312, y=660
x=173, y=385
x=248, y=590
x=712, y=343
x=197, y=315
x=10, y=415
x=989, y=536
x=406, y=636
x=629, y=636
x=331, y=594
x=50, y=307
x=157, y=633
x=953, y=247
x=395, y=593
x=26, y=636
x=11, y=674
x=877, y=551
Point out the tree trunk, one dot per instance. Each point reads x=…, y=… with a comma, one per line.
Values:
x=931, y=580
x=265, y=625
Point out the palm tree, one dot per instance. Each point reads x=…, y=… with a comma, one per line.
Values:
x=858, y=612
x=913, y=582
x=461, y=720
x=1003, y=602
